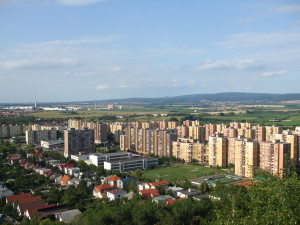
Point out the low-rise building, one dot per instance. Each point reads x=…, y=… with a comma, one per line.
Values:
x=67, y=216
x=188, y=193
x=101, y=190
x=132, y=164
x=124, y=182
x=115, y=194
x=98, y=159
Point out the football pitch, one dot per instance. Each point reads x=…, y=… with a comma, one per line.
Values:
x=179, y=172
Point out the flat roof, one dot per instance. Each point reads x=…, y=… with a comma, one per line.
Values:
x=110, y=154
x=131, y=159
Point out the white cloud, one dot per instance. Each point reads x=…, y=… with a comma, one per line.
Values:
x=274, y=73
x=81, y=41
x=78, y=2
x=289, y=9
x=102, y=87
x=229, y=64
x=261, y=39
x=38, y=63
x=175, y=51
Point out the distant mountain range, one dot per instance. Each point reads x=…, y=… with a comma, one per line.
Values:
x=201, y=98
x=194, y=99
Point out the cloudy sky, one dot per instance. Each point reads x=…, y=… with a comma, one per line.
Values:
x=69, y=50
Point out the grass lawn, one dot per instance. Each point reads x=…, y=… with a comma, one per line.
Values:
x=179, y=172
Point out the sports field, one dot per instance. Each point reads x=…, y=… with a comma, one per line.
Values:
x=179, y=172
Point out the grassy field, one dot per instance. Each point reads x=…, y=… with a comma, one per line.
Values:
x=179, y=172
x=289, y=117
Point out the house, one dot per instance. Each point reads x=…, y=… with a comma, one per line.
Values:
x=115, y=194
x=163, y=199
x=124, y=182
x=64, y=180
x=149, y=193
x=74, y=181
x=112, y=180
x=101, y=190
x=22, y=207
x=67, y=216
x=188, y=193
x=57, y=179
x=64, y=167
x=31, y=212
x=175, y=189
x=156, y=184
x=46, y=211
x=73, y=170
x=5, y=192
x=13, y=198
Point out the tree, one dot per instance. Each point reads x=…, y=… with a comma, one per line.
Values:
x=204, y=187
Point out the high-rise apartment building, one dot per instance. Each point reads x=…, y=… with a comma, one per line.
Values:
x=189, y=150
x=34, y=137
x=217, y=151
x=273, y=156
x=246, y=158
x=79, y=141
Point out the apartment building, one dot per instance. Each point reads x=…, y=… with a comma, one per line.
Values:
x=11, y=130
x=217, y=150
x=246, y=158
x=148, y=141
x=77, y=141
x=190, y=149
x=34, y=137
x=273, y=156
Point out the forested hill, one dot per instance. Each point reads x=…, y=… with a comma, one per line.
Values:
x=219, y=97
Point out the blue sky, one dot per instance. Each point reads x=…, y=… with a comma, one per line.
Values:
x=69, y=50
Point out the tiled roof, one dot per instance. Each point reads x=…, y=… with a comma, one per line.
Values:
x=67, y=165
x=33, y=211
x=65, y=179
x=29, y=199
x=114, y=178
x=13, y=198
x=116, y=191
x=103, y=187
x=159, y=183
x=247, y=183
x=148, y=193
x=32, y=205
x=170, y=201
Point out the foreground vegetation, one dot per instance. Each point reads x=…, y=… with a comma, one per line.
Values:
x=275, y=201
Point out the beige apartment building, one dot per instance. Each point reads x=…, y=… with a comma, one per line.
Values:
x=217, y=151
x=189, y=150
x=246, y=158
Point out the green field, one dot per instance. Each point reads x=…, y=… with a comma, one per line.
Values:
x=178, y=172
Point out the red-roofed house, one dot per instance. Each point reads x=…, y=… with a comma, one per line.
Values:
x=156, y=184
x=101, y=190
x=170, y=201
x=64, y=180
x=113, y=180
x=30, y=213
x=149, y=193
x=13, y=198
x=21, y=208
x=27, y=199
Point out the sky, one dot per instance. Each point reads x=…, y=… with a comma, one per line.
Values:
x=79, y=50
